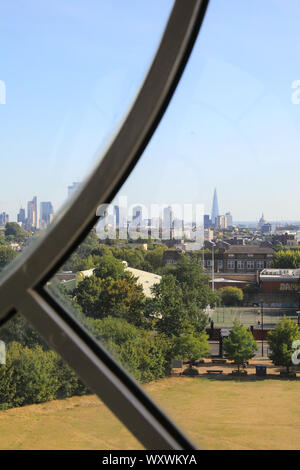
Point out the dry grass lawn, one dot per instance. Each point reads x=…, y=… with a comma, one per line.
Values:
x=217, y=414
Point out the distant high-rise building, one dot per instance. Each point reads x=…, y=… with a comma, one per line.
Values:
x=137, y=215
x=122, y=216
x=32, y=222
x=206, y=221
x=208, y=234
x=4, y=218
x=215, y=209
x=35, y=215
x=117, y=215
x=21, y=217
x=221, y=222
x=229, y=220
x=167, y=221
x=73, y=188
x=30, y=215
x=46, y=213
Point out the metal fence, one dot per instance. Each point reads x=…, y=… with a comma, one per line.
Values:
x=223, y=317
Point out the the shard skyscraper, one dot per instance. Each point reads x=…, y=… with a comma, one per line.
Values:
x=215, y=209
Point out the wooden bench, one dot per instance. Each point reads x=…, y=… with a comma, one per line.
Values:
x=241, y=372
x=289, y=375
x=219, y=361
x=214, y=372
x=198, y=363
x=176, y=372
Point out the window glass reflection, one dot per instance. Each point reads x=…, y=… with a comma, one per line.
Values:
x=70, y=71
x=44, y=405
x=191, y=277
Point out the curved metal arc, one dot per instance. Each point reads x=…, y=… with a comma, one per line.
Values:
x=77, y=218
x=103, y=375
x=21, y=285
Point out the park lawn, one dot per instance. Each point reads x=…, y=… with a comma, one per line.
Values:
x=216, y=414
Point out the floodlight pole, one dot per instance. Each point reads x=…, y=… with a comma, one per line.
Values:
x=262, y=329
x=212, y=268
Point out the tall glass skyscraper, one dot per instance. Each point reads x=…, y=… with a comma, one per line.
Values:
x=215, y=209
x=46, y=213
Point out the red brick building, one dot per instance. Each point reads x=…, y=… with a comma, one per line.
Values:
x=280, y=280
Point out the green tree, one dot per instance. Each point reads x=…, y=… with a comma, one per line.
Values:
x=83, y=264
x=144, y=358
x=29, y=375
x=78, y=260
x=190, y=346
x=168, y=307
x=140, y=352
x=196, y=291
x=231, y=296
x=68, y=382
x=109, y=266
x=15, y=232
x=17, y=329
x=117, y=330
x=7, y=254
x=281, y=340
x=239, y=346
x=155, y=257
x=100, y=298
x=87, y=294
x=134, y=257
x=89, y=245
x=286, y=259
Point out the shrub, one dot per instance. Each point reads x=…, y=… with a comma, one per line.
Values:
x=231, y=296
x=68, y=382
x=139, y=351
x=35, y=376
x=281, y=342
x=190, y=371
x=239, y=346
x=190, y=346
x=29, y=376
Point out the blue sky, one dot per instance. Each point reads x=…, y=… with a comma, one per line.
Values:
x=72, y=68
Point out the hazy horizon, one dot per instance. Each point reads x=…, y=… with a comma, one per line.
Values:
x=71, y=71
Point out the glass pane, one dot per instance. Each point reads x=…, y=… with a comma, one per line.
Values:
x=43, y=405
x=70, y=70
x=184, y=276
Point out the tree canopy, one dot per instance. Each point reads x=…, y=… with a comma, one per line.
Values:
x=139, y=351
x=121, y=297
x=231, y=296
x=190, y=346
x=239, y=346
x=286, y=259
x=281, y=340
x=14, y=232
x=7, y=254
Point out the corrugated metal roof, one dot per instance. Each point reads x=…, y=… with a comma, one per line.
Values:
x=145, y=279
x=273, y=274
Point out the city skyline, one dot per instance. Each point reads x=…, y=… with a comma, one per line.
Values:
x=137, y=211
x=231, y=124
